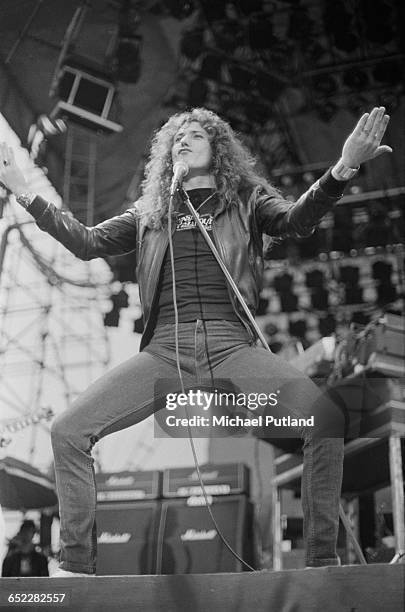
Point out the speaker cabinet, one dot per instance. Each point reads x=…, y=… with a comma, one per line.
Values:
x=189, y=544
x=126, y=537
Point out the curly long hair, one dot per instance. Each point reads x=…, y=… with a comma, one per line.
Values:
x=233, y=166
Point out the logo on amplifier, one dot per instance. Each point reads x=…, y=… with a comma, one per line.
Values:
x=206, y=475
x=113, y=538
x=202, y=534
x=120, y=481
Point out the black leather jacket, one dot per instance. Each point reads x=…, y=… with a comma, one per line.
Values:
x=237, y=233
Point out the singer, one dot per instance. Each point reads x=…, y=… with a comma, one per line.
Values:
x=237, y=205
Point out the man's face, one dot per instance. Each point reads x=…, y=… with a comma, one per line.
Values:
x=191, y=144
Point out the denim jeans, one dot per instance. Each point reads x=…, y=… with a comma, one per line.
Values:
x=127, y=394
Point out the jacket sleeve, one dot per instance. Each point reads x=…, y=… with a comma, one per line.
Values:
x=114, y=236
x=279, y=217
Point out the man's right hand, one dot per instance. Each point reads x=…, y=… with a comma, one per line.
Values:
x=10, y=173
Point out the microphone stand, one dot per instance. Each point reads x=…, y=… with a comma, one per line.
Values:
x=224, y=268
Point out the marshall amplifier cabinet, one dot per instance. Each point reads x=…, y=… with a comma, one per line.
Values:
x=128, y=486
x=218, y=479
x=383, y=347
x=127, y=537
x=188, y=542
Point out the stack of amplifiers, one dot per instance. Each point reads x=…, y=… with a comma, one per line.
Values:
x=128, y=514
x=139, y=533
x=188, y=540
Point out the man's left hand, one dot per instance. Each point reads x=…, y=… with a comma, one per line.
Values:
x=364, y=142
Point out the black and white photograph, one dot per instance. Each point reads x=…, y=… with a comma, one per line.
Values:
x=202, y=290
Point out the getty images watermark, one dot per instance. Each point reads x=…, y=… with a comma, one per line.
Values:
x=222, y=413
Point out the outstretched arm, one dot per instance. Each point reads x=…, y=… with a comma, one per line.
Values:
x=114, y=236
x=279, y=217
x=363, y=143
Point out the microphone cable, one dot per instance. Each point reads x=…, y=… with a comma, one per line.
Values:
x=176, y=330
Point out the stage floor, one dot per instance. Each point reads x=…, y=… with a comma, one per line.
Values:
x=376, y=587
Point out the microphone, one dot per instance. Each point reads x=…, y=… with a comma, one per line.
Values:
x=180, y=170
